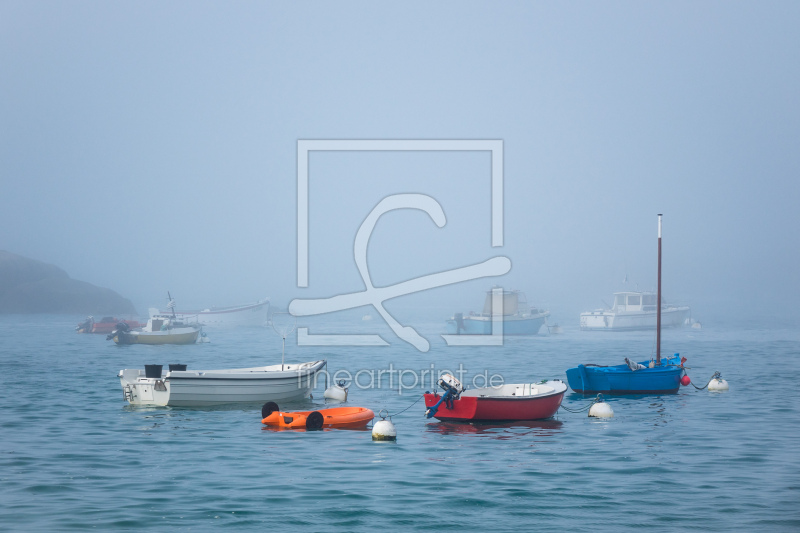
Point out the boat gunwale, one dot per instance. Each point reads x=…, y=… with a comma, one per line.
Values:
x=505, y=318
x=626, y=368
x=240, y=374
x=212, y=311
x=529, y=397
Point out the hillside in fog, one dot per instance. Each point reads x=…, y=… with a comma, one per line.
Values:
x=30, y=286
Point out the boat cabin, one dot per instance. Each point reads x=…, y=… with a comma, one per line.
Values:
x=635, y=301
x=163, y=323
x=514, y=303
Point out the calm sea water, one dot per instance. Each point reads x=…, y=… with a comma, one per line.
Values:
x=74, y=456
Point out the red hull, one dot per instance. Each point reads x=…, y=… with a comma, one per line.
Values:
x=504, y=408
x=108, y=327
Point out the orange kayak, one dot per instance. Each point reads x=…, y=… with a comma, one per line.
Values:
x=335, y=417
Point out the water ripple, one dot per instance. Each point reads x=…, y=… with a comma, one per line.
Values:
x=73, y=456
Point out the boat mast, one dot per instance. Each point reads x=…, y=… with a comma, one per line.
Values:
x=658, y=309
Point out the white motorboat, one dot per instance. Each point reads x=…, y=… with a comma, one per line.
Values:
x=634, y=310
x=518, y=317
x=254, y=314
x=158, y=330
x=197, y=388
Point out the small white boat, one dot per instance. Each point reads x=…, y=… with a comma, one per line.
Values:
x=197, y=388
x=634, y=310
x=158, y=330
x=254, y=314
x=518, y=317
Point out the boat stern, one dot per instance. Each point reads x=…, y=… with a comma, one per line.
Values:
x=138, y=389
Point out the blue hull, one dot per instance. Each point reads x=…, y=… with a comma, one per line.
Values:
x=620, y=379
x=474, y=326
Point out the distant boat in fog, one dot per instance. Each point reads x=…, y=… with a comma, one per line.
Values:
x=519, y=318
x=105, y=325
x=159, y=330
x=254, y=314
x=634, y=310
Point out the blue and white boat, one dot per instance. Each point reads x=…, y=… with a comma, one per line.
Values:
x=660, y=376
x=519, y=318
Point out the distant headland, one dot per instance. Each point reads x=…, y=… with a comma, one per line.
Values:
x=30, y=286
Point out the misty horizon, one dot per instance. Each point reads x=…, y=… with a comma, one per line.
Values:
x=155, y=150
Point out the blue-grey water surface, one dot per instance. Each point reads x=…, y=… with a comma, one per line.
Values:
x=75, y=456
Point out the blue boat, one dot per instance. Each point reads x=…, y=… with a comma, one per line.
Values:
x=661, y=376
x=622, y=379
x=518, y=317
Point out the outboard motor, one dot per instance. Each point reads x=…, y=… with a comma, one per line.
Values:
x=120, y=327
x=86, y=325
x=459, y=324
x=452, y=391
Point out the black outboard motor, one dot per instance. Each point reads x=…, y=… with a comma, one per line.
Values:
x=121, y=327
x=460, y=323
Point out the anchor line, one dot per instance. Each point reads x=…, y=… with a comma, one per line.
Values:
x=716, y=375
x=596, y=400
x=407, y=408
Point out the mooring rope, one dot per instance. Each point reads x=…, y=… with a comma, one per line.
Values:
x=715, y=376
x=407, y=408
x=594, y=401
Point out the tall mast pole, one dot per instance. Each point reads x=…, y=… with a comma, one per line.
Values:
x=658, y=309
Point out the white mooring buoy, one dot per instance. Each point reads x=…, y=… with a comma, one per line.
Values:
x=336, y=392
x=601, y=409
x=384, y=429
x=717, y=384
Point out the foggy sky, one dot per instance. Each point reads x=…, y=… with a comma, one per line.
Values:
x=152, y=146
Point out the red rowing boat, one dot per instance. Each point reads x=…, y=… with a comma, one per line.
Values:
x=526, y=401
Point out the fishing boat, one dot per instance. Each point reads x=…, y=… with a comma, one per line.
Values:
x=519, y=318
x=254, y=314
x=105, y=325
x=180, y=387
x=629, y=378
x=526, y=401
x=660, y=376
x=334, y=417
x=158, y=330
x=634, y=310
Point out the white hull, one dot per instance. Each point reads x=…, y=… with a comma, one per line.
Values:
x=512, y=325
x=241, y=315
x=198, y=388
x=518, y=317
x=634, y=320
x=186, y=335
